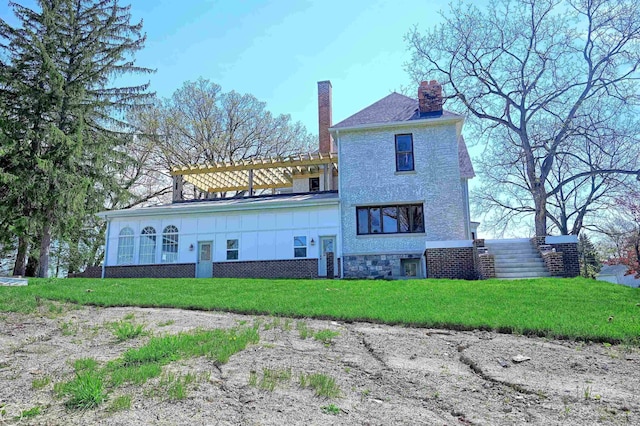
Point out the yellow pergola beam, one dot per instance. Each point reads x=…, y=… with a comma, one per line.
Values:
x=259, y=163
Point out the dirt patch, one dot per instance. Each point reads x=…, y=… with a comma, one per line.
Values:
x=386, y=375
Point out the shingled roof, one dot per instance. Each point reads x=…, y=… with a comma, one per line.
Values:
x=396, y=107
x=392, y=108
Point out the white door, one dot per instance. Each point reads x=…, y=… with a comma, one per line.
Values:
x=205, y=261
x=327, y=245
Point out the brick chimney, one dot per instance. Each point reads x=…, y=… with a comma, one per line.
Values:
x=430, y=99
x=324, y=117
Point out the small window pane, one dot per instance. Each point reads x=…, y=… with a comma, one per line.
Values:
x=363, y=220
x=300, y=252
x=403, y=218
x=300, y=241
x=417, y=224
x=405, y=162
x=232, y=249
x=403, y=143
x=376, y=224
x=390, y=220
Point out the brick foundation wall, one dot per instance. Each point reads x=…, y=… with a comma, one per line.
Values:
x=90, y=272
x=554, y=263
x=454, y=263
x=170, y=270
x=569, y=258
x=290, y=268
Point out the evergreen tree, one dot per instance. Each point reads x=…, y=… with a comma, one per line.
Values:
x=58, y=81
x=590, y=264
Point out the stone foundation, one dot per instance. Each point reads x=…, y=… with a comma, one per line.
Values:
x=290, y=268
x=376, y=265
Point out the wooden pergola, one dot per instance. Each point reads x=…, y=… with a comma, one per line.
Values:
x=255, y=173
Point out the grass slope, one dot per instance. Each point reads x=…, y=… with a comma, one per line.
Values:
x=571, y=308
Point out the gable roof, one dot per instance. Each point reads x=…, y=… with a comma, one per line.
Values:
x=395, y=108
x=392, y=108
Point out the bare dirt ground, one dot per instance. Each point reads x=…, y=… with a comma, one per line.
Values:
x=387, y=375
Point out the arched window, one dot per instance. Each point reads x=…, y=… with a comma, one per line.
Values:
x=170, y=244
x=148, y=245
x=125, y=246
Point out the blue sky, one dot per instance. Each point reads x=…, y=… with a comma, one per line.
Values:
x=278, y=50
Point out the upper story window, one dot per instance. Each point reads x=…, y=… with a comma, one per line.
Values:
x=314, y=184
x=390, y=219
x=404, y=153
x=148, y=245
x=125, y=246
x=170, y=244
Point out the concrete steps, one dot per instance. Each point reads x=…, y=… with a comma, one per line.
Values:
x=516, y=259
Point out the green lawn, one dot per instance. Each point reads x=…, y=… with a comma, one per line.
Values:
x=570, y=308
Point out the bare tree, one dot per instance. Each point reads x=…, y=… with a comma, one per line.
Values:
x=201, y=124
x=551, y=85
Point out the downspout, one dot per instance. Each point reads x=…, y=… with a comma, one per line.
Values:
x=106, y=246
x=340, y=203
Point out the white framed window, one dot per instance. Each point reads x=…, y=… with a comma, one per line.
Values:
x=232, y=249
x=147, y=245
x=170, y=244
x=300, y=246
x=125, y=246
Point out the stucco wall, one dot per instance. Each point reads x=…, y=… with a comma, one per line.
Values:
x=262, y=234
x=368, y=177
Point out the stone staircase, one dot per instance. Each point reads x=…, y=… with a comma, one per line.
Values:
x=516, y=258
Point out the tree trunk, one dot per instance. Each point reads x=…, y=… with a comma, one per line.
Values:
x=20, y=267
x=45, y=246
x=540, y=203
x=32, y=267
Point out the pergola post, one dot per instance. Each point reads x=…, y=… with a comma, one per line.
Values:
x=250, y=182
x=177, y=187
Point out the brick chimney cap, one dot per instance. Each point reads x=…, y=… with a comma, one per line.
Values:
x=325, y=82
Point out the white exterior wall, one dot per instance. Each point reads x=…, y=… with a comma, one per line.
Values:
x=368, y=177
x=263, y=234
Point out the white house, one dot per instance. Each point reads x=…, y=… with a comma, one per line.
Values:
x=385, y=184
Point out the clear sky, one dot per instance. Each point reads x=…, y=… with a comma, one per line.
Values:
x=278, y=50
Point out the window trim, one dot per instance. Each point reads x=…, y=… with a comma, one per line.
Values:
x=305, y=246
x=237, y=250
x=144, y=238
x=411, y=223
x=413, y=166
x=127, y=235
x=167, y=242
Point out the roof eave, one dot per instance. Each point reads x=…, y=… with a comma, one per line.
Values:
x=404, y=123
x=208, y=208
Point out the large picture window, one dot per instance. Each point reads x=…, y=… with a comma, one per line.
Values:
x=404, y=153
x=170, y=244
x=408, y=218
x=148, y=245
x=125, y=246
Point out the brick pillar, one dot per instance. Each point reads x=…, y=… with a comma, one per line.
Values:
x=325, y=117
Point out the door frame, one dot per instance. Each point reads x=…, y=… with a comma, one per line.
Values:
x=335, y=255
x=198, y=261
